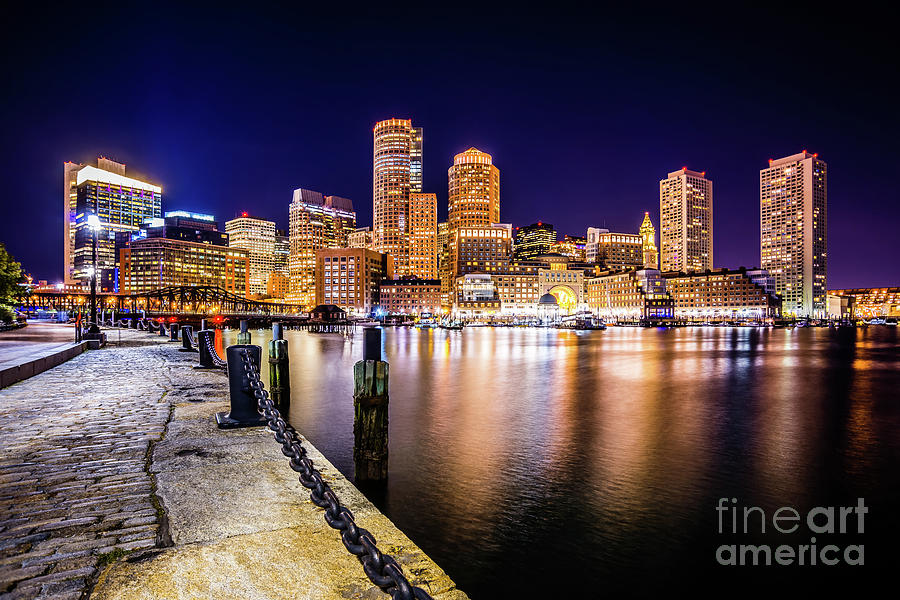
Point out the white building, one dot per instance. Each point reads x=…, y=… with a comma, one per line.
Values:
x=793, y=199
x=686, y=221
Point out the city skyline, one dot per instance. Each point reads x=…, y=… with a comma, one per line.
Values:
x=590, y=158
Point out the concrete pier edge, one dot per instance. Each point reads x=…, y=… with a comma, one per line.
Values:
x=234, y=521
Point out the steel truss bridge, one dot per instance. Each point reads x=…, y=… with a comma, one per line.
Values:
x=196, y=301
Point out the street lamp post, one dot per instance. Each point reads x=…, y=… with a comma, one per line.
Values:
x=93, y=222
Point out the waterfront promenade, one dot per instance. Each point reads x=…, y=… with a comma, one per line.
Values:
x=114, y=480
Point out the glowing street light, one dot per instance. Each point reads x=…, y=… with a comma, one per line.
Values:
x=93, y=223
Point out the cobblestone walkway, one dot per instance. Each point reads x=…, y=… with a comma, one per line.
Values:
x=75, y=487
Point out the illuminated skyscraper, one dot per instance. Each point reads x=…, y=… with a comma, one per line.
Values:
x=474, y=190
x=315, y=222
x=122, y=205
x=686, y=221
x=648, y=236
x=793, y=245
x=257, y=237
x=423, y=253
x=533, y=240
x=397, y=172
x=474, y=186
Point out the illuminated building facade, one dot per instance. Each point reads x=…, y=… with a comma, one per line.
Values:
x=122, y=205
x=592, y=246
x=533, y=240
x=397, y=172
x=870, y=303
x=444, y=267
x=476, y=297
x=648, y=239
x=793, y=245
x=257, y=237
x=157, y=262
x=410, y=296
x=572, y=247
x=474, y=184
x=723, y=294
x=566, y=285
x=686, y=221
x=482, y=249
x=423, y=251
x=361, y=238
x=278, y=285
x=629, y=295
x=351, y=278
x=315, y=222
x=518, y=289
x=474, y=202
x=620, y=250
x=282, y=253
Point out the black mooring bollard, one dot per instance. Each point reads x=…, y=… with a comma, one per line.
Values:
x=173, y=332
x=202, y=325
x=370, y=411
x=162, y=329
x=186, y=336
x=244, y=407
x=205, y=345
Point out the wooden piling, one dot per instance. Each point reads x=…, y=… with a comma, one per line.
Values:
x=280, y=375
x=370, y=420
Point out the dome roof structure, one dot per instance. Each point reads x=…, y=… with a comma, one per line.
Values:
x=548, y=300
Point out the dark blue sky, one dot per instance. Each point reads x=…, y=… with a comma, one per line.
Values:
x=583, y=112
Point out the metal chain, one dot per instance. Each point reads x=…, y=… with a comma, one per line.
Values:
x=217, y=360
x=381, y=569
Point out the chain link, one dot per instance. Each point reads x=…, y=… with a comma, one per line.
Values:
x=381, y=569
x=211, y=348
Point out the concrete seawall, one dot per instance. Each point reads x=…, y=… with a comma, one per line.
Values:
x=229, y=518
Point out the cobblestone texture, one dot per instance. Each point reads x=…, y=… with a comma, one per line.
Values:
x=75, y=482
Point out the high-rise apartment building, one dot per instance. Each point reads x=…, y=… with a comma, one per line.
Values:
x=397, y=172
x=257, y=237
x=315, y=222
x=121, y=203
x=443, y=246
x=533, y=240
x=793, y=245
x=282, y=253
x=686, y=221
x=423, y=251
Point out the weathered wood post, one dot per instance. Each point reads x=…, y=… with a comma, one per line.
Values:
x=279, y=370
x=244, y=335
x=370, y=411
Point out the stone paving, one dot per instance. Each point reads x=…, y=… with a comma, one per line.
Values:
x=76, y=490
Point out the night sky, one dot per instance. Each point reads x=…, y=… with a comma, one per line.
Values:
x=583, y=112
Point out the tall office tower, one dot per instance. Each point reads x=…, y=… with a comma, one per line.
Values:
x=686, y=221
x=648, y=235
x=592, y=246
x=793, y=243
x=315, y=222
x=474, y=190
x=443, y=248
x=533, y=240
x=122, y=205
x=397, y=172
x=423, y=251
x=474, y=186
x=282, y=252
x=257, y=237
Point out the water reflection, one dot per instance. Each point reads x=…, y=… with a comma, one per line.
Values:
x=605, y=452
